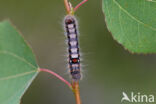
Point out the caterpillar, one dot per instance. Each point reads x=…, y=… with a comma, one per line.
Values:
x=73, y=46
x=71, y=29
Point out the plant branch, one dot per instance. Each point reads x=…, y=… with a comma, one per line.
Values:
x=56, y=75
x=66, y=3
x=80, y=4
x=76, y=91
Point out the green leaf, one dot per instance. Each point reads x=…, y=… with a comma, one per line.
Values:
x=132, y=23
x=17, y=65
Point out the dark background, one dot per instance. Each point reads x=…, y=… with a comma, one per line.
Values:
x=108, y=69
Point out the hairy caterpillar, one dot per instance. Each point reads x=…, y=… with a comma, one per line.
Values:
x=70, y=23
x=73, y=46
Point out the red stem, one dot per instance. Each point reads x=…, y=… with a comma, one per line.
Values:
x=80, y=5
x=56, y=75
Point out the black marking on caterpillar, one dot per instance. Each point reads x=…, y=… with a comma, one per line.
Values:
x=73, y=46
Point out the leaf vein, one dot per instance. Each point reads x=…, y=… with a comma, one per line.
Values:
x=18, y=57
x=17, y=75
x=134, y=18
x=25, y=85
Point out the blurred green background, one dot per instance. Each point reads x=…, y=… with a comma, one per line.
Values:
x=108, y=69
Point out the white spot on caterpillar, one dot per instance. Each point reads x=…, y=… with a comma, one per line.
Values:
x=74, y=50
x=73, y=43
x=74, y=55
x=72, y=30
x=72, y=35
x=70, y=25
